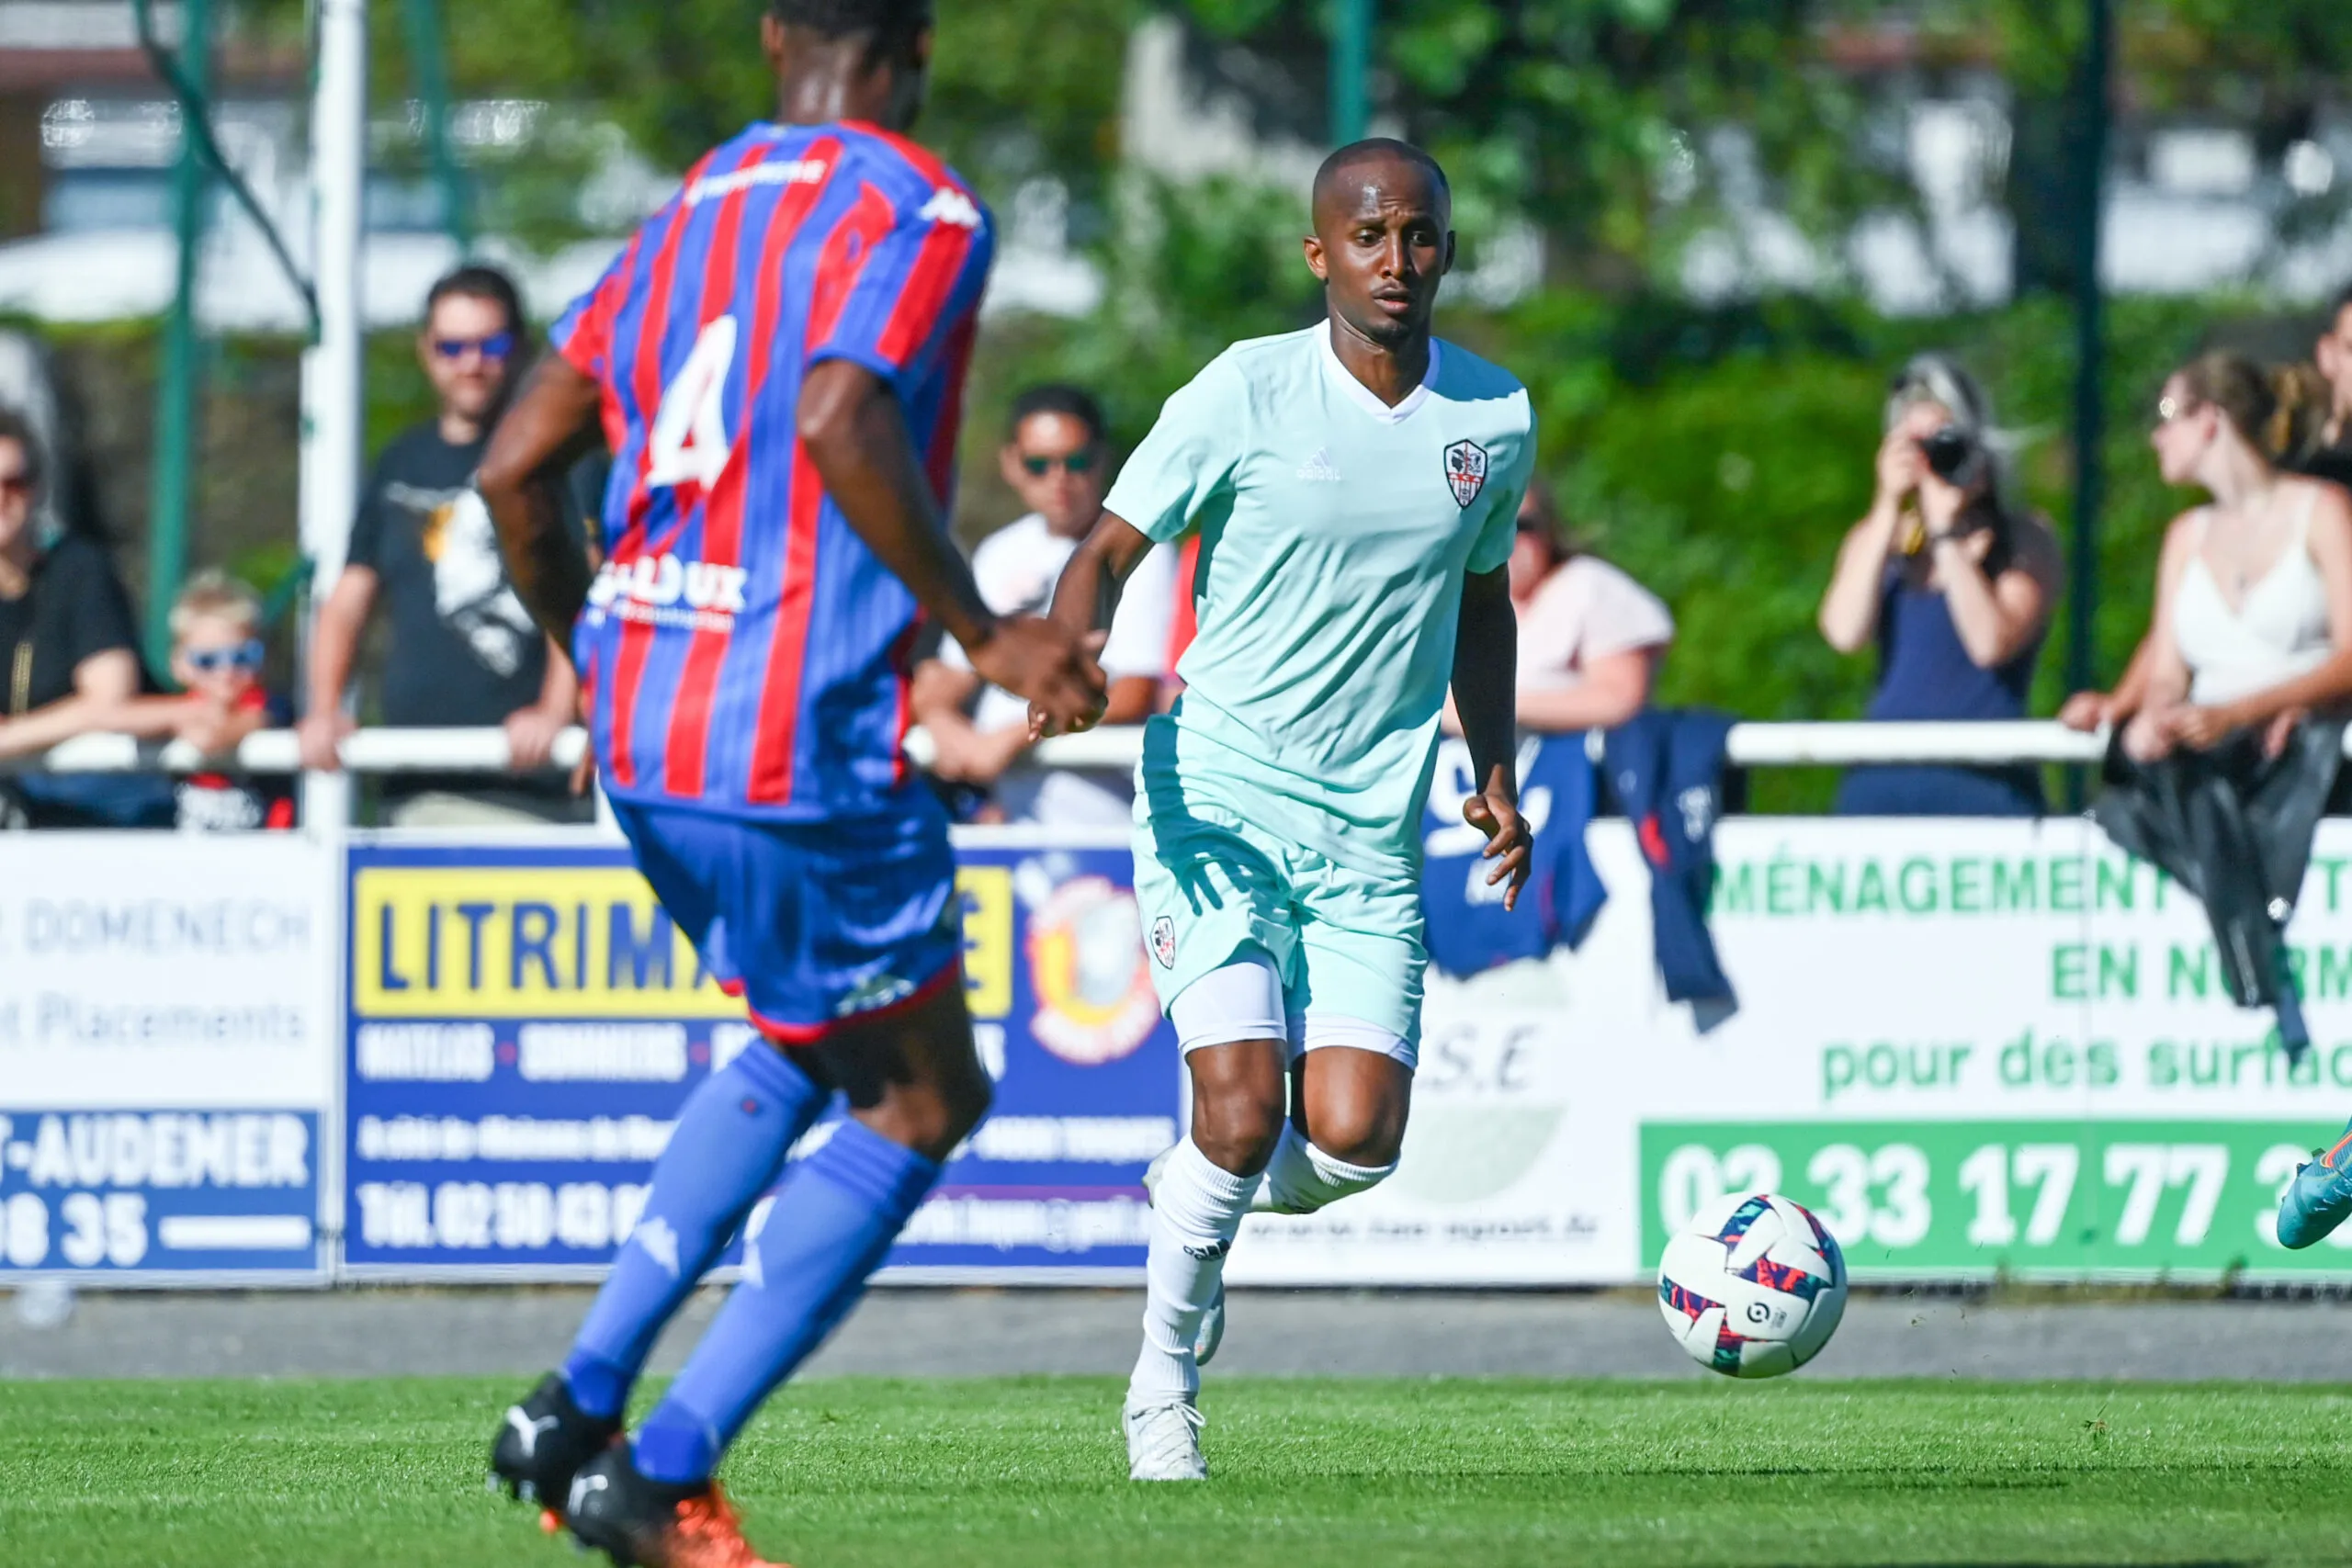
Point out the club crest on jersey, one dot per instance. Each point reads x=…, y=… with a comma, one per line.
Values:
x=1163, y=942
x=1466, y=471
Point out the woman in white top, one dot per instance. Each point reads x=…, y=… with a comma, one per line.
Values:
x=1591, y=638
x=2253, y=595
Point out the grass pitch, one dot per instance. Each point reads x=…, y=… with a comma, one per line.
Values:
x=995, y=1474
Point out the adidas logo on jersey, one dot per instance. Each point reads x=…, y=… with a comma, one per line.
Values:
x=1320, y=469
x=950, y=206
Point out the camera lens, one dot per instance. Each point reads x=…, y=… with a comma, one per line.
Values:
x=1949, y=451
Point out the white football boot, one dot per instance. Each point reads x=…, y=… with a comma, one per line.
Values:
x=1211, y=1334
x=1164, y=1441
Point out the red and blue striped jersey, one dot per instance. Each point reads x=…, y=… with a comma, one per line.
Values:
x=742, y=649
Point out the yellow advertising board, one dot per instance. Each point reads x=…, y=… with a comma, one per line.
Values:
x=555, y=942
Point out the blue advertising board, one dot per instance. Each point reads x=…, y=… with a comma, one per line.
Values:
x=116, y=1195
x=523, y=1023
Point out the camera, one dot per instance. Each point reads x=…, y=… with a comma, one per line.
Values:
x=1951, y=454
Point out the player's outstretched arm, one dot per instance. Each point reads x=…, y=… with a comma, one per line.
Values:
x=856, y=437
x=1086, y=600
x=1486, y=681
x=550, y=427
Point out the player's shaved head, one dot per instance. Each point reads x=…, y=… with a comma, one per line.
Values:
x=1376, y=162
x=1383, y=239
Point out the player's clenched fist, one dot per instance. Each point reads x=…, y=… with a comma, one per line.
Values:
x=1511, y=844
x=1053, y=667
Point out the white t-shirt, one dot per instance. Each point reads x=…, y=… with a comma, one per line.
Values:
x=1016, y=569
x=1584, y=610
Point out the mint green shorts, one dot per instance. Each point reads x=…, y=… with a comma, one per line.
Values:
x=1346, y=942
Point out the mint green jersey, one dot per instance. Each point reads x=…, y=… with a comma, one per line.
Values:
x=1335, y=532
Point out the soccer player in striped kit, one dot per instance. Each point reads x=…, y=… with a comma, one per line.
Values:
x=777, y=362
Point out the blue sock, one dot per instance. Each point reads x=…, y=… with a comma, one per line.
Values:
x=727, y=1149
x=831, y=1227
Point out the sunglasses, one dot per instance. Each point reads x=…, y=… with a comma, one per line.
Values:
x=497, y=346
x=15, y=484
x=1080, y=462
x=246, y=656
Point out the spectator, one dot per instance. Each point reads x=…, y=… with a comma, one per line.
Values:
x=2331, y=457
x=462, y=649
x=1055, y=456
x=68, y=658
x=1591, y=638
x=2317, y=405
x=217, y=654
x=2253, y=627
x=1953, y=585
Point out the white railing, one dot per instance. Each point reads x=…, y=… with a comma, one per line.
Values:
x=277, y=752
x=485, y=750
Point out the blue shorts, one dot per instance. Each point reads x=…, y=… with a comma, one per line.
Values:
x=816, y=925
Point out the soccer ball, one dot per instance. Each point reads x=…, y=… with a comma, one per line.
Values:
x=1753, y=1286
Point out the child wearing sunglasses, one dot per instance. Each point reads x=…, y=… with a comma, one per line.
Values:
x=216, y=656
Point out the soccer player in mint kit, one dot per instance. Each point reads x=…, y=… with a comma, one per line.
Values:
x=1355, y=489
x=779, y=360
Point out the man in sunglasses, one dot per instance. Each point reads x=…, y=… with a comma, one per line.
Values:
x=463, y=651
x=1056, y=459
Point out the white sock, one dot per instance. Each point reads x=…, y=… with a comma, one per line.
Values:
x=1301, y=1178
x=1195, y=1210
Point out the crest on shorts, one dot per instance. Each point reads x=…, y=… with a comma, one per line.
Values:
x=1466, y=471
x=1163, y=942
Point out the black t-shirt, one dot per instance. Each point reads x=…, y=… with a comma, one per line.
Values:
x=463, y=651
x=75, y=609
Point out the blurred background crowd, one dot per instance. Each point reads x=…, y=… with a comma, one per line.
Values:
x=1923, y=360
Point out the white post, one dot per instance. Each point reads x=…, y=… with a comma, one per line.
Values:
x=334, y=411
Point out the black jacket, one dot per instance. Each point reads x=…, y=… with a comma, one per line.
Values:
x=2234, y=827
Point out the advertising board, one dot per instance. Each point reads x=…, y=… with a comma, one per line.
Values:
x=525, y=1023
x=166, y=1057
x=1972, y=1047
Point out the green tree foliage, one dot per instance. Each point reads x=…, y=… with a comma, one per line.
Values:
x=1589, y=116
x=1019, y=86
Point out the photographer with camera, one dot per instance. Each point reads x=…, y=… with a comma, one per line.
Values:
x=1953, y=585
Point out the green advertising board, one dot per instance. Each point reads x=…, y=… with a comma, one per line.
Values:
x=1913, y=1199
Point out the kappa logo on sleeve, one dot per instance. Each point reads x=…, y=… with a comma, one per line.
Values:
x=952, y=206
x=1466, y=471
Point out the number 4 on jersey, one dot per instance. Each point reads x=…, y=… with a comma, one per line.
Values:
x=688, y=442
